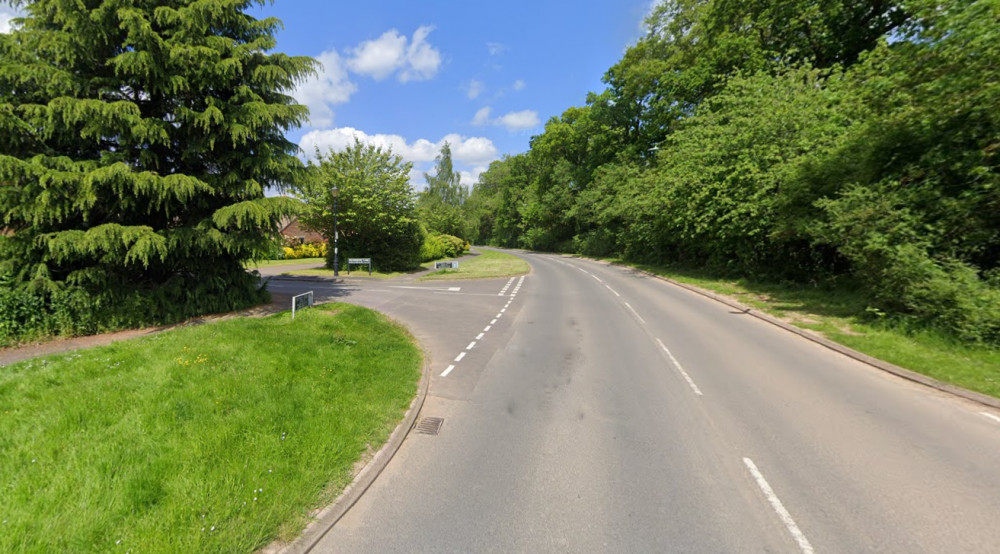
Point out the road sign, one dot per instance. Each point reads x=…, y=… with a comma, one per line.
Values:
x=359, y=261
x=445, y=265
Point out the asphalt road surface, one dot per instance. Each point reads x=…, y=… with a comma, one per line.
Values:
x=606, y=411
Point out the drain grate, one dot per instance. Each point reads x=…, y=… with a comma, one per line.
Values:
x=429, y=425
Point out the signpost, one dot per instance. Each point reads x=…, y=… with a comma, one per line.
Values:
x=359, y=261
x=445, y=265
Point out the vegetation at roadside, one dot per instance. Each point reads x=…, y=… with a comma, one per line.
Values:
x=839, y=312
x=488, y=264
x=279, y=263
x=785, y=141
x=214, y=438
x=137, y=141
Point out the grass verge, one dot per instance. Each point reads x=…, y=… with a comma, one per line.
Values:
x=278, y=263
x=216, y=438
x=487, y=264
x=840, y=315
x=357, y=271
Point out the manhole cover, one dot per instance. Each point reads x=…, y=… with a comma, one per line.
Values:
x=429, y=425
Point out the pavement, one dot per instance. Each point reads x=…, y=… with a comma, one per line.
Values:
x=608, y=411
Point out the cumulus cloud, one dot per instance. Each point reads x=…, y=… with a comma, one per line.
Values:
x=473, y=150
x=392, y=53
x=471, y=177
x=330, y=86
x=482, y=116
x=519, y=121
x=512, y=121
x=474, y=88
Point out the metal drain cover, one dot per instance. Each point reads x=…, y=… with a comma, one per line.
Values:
x=429, y=425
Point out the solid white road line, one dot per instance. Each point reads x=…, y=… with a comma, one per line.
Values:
x=447, y=371
x=459, y=357
x=991, y=416
x=786, y=517
x=471, y=345
x=613, y=290
x=635, y=312
x=677, y=364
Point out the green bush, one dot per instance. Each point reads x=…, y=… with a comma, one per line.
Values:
x=439, y=245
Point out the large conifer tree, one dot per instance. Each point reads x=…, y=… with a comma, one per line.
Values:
x=136, y=140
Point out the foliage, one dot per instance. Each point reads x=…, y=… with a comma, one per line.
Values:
x=137, y=141
x=438, y=245
x=375, y=211
x=208, y=438
x=440, y=204
x=306, y=250
x=789, y=140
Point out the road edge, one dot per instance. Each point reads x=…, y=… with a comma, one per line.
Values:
x=883, y=365
x=327, y=517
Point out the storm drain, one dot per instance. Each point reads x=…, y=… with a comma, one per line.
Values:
x=429, y=425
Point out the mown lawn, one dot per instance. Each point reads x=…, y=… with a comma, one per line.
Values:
x=840, y=314
x=488, y=264
x=215, y=438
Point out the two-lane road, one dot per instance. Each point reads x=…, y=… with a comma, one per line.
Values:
x=607, y=411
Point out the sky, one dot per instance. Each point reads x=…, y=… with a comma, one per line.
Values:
x=484, y=76
x=412, y=74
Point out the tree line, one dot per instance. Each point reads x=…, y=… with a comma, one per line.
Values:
x=816, y=142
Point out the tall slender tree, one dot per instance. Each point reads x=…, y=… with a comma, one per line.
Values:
x=440, y=204
x=137, y=139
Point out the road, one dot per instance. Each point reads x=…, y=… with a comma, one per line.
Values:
x=606, y=411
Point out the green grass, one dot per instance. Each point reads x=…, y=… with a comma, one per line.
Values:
x=215, y=438
x=273, y=263
x=487, y=264
x=357, y=271
x=840, y=315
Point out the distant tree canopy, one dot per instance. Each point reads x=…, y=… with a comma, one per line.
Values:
x=785, y=139
x=136, y=142
x=440, y=204
x=375, y=206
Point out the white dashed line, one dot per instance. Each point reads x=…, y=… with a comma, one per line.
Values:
x=447, y=371
x=503, y=310
x=635, y=312
x=487, y=329
x=481, y=335
x=598, y=278
x=991, y=416
x=499, y=315
x=677, y=364
x=459, y=357
x=613, y=290
x=494, y=322
x=786, y=517
x=471, y=345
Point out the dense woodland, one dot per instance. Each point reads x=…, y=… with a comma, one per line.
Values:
x=829, y=142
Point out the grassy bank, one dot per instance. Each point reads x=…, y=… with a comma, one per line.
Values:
x=216, y=438
x=840, y=314
x=487, y=264
x=278, y=263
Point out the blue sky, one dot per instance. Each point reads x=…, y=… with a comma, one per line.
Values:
x=484, y=76
x=410, y=74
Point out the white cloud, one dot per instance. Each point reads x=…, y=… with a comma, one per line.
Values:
x=379, y=58
x=330, y=86
x=519, y=85
x=519, y=121
x=414, y=60
x=6, y=14
x=474, y=88
x=482, y=116
x=473, y=150
x=471, y=177
x=423, y=60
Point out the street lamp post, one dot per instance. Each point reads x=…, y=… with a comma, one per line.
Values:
x=336, y=233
